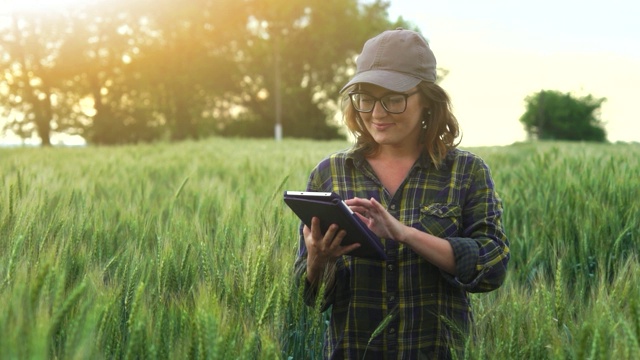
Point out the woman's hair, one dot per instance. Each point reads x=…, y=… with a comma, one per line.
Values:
x=438, y=138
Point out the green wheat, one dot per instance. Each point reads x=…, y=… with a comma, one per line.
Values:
x=151, y=252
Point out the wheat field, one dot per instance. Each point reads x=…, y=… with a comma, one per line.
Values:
x=173, y=251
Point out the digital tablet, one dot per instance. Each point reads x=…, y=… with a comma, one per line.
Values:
x=331, y=209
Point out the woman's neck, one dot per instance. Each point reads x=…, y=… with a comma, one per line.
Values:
x=388, y=152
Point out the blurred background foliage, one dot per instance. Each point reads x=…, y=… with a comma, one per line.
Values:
x=129, y=71
x=553, y=115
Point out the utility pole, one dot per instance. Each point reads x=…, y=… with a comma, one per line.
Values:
x=278, y=85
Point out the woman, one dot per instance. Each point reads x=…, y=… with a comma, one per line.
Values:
x=433, y=206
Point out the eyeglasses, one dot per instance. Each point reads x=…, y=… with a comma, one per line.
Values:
x=392, y=103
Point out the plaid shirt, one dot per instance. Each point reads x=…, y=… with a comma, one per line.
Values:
x=429, y=309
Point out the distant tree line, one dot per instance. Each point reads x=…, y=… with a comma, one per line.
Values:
x=126, y=71
x=553, y=115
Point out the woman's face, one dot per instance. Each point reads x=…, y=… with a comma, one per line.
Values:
x=395, y=130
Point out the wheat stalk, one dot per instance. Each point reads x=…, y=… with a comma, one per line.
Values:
x=380, y=328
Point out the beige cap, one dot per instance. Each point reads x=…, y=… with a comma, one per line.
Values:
x=397, y=60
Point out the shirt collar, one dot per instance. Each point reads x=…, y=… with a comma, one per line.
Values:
x=356, y=158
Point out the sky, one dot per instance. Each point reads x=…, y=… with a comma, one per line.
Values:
x=499, y=52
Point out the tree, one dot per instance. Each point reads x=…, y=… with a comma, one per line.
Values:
x=53, y=62
x=192, y=61
x=552, y=115
x=312, y=46
x=94, y=61
x=122, y=71
x=31, y=97
x=119, y=71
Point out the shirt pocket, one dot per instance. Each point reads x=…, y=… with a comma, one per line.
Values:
x=441, y=220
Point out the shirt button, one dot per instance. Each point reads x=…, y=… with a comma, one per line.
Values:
x=392, y=331
x=393, y=206
x=392, y=298
x=390, y=267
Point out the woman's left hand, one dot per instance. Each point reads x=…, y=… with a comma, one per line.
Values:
x=378, y=219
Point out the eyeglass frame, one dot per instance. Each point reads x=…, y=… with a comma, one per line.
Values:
x=376, y=99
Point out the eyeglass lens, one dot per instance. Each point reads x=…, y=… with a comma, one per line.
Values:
x=394, y=103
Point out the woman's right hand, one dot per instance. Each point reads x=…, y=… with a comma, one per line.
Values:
x=322, y=250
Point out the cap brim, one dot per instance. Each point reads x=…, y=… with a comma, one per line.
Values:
x=391, y=80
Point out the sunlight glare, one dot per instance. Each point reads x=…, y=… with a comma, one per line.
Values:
x=11, y=6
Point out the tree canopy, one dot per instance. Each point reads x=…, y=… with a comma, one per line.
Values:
x=552, y=115
x=121, y=71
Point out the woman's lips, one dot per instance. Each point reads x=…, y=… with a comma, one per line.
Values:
x=381, y=126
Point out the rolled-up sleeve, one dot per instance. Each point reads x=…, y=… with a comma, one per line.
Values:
x=482, y=252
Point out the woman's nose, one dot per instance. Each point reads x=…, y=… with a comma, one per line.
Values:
x=378, y=109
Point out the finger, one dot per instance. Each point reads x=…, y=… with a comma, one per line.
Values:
x=337, y=249
x=364, y=219
x=376, y=206
x=336, y=240
x=357, y=202
x=358, y=209
x=331, y=234
x=316, y=232
x=347, y=249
